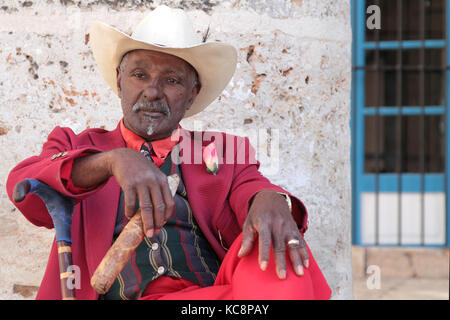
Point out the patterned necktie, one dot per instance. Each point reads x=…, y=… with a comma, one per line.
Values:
x=146, y=150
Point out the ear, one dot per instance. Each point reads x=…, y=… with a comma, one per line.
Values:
x=194, y=93
x=118, y=77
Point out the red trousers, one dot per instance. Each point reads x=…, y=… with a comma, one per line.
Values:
x=242, y=279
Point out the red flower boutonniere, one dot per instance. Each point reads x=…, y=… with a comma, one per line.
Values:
x=210, y=158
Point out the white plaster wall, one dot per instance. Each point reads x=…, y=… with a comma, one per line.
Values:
x=292, y=81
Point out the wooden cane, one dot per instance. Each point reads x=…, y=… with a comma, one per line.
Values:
x=65, y=275
x=60, y=209
x=122, y=249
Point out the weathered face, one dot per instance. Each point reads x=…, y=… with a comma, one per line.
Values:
x=155, y=89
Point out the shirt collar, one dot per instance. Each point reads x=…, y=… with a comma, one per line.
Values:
x=161, y=147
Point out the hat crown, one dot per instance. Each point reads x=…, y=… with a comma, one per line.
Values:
x=167, y=27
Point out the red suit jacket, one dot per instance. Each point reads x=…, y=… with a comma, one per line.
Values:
x=219, y=202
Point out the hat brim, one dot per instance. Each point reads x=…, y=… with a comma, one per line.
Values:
x=214, y=62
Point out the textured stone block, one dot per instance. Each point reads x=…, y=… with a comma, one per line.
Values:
x=359, y=261
x=25, y=290
x=430, y=263
x=393, y=262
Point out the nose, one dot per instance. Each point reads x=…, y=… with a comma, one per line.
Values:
x=153, y=91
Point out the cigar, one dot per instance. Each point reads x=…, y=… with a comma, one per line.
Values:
x=122, y=249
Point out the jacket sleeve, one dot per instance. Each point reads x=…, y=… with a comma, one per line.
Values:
x=248, y=181
x=59, y=149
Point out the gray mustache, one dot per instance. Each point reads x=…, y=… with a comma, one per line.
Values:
x=152, y=106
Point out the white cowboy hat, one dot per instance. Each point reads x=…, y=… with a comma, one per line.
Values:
x=170, y=31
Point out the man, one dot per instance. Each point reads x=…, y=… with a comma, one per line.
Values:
x=228, y=233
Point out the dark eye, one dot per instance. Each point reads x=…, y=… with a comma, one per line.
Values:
x=139, y=75
x=173, y=80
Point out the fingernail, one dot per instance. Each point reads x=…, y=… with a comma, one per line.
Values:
x=150, y=233
x=282, y=274
x=263, y=265
x=300, y=270
x=240, y=252
x=306, y=263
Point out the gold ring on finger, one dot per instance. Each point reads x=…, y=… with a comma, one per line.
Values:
x=293, y=242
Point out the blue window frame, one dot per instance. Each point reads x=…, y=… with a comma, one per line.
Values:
x=403, y=181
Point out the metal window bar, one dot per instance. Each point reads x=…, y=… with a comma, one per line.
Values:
x=358, y=120
x=446, y=216
x=407, y=44
x=399, y=69
x=377, y=133
x=352, y=122
x=422, y=123
x=394, y=68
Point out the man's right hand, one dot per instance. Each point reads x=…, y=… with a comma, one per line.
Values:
x=140, y=179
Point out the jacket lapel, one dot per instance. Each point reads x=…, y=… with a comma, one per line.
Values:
x=204, y=190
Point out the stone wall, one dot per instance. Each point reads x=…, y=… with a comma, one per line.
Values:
x=290, y=95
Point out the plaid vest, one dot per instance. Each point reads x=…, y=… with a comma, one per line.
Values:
x=179, y=250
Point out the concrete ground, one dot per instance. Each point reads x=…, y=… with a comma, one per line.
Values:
x=390, y=289
x=378, y=274
x=403, y=289
x=400, y=273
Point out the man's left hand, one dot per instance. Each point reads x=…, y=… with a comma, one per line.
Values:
x=270, y=218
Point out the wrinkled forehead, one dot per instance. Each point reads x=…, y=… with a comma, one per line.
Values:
x=146, y=58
